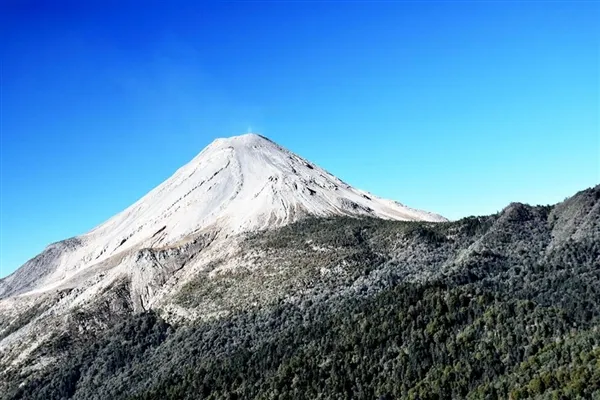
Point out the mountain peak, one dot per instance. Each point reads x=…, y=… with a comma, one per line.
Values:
x=238, y=184
x=243, y=139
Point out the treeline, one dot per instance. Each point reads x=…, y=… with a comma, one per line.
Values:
x=412, y=341
x=509, y=310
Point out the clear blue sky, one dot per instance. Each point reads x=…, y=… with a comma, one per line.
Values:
x=453, y=107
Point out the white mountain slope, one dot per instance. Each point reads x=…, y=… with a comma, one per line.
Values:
x=240, y=184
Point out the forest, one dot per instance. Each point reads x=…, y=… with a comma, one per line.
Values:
x=504, y=306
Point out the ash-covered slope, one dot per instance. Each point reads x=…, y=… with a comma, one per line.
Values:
x=240, y=184
x=499, y=306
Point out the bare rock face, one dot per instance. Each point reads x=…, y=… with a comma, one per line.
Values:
x=34, y=271
x=235, y=185
x=153, y=268
x=142, y=257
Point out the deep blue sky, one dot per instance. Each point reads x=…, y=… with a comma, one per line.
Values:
x=453, y=107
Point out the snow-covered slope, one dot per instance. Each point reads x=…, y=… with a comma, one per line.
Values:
x=234, y=185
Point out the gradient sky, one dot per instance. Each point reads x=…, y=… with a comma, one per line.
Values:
x=453, y=107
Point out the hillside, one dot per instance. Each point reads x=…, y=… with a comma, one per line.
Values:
x=235, y=185
x=485, y=307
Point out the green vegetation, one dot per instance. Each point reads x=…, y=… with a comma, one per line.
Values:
x=22, y=320
x=504, y=306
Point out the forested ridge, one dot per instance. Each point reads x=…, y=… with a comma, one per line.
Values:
x=504, y=306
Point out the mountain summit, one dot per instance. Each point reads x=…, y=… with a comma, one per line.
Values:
x=165, y=299
x=239, y=184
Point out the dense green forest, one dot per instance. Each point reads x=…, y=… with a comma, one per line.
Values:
x=505, y=306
